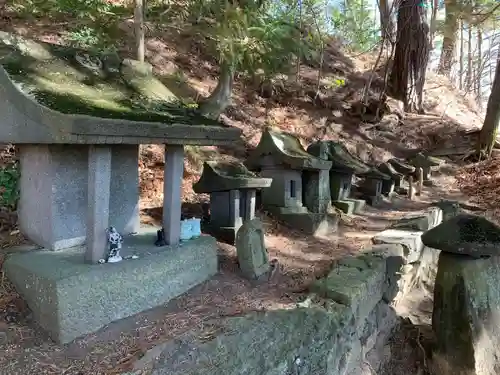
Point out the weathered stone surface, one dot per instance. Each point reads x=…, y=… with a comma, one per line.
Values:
x=427, y=220
x=401, y=166
x=355, y=282
x=411, y=241
x=225, y=176
x=387, y=169
x=65, y=95
x=316, y=185
x=465, y=234
x=466, y=314
x=70, y=298
x=278, y=148
x=251, y=250
x=337, y=153
x=424, y=161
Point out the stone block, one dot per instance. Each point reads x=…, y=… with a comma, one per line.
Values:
x=310, y=223
x=251, y=250
x=355, y=282
x=285, y=190
x=345, y=206
x=424, y=221
x=53, y=202
x=70, y=298
x=411, y=240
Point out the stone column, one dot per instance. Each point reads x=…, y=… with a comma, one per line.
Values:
x=172, y=182
x=317, y=191
x=99, y=182
x=249, y=202
x=235, y=208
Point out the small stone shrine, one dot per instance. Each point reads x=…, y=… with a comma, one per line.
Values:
x=344, y=167
x=427, y=163
x=372, y=184
x=401, y=166
x=78, y=119
x=232, y=190
x=280, y=156
x=251, y=249
x=396, y=178
x=466, y=309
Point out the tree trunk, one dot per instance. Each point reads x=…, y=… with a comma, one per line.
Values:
x=219, y=100
x=449, y=37
x=386, y=21
x=461, y=68
x=139, y=29
x=488, y=134
x=435, y=7
x=480, y=68
x=469, y=58
x=411, y=55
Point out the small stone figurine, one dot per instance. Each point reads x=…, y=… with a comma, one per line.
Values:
x=115, y=240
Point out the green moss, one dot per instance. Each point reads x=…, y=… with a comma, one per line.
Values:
x=73, y=81
x=231, y=170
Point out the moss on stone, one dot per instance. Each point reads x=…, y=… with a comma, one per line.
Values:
x=78, y=82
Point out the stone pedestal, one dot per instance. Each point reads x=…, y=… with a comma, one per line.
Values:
x=69, y=298
x=54, y=205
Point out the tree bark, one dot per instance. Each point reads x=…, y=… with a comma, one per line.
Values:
x=139, y=29
x=386, y=21
x=488, y=134
x=411, y=55
x=480, y=68
x=449, y=37
x=435, y=8
x=220, y=98
x=461, y=65
x=469, y=58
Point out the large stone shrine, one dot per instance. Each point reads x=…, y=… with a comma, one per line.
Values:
x=232, y=188
x=344, y=167
x=280, y=156
x=78, y=120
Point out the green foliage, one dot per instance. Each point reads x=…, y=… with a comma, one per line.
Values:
x=335, y=83
x=9, y=190
x=354, y=21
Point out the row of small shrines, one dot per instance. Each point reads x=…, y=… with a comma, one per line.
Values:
x=300, y=186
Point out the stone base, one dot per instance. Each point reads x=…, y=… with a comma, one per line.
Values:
x=222, y=234
x=373, y=200
x=309, y=223
x=70, y=298
x=350, y=206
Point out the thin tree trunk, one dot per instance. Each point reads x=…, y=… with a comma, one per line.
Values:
x=461, y=65
x=139, y=29
x=386, y=21
x=411, y=55
x=488, y=134
x=480, y=68
x=469, y=58
x=435, y=6
x=219, y=100
x=449, y=37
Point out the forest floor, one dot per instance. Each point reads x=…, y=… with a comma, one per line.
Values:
x=292, y=108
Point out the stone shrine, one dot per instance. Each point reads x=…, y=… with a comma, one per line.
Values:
x=78, y=119
x=232, y=190
x=371, y=186
x=280, y=156
x=252, y=254
x=344, y=167
x=396, y=178
x=427, y=163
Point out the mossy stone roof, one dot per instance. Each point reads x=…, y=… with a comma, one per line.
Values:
x=89, y=88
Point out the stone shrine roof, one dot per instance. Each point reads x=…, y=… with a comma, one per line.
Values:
x=284, y=148
x=341, y=158
x=225, y=176
x=57, y=94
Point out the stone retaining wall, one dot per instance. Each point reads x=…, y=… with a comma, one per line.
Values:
x=342, y=328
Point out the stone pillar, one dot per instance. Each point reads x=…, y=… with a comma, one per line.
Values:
x=249, y=204
x=317, y=191
x=172, y=182
x=235, y=208
x=99, y=182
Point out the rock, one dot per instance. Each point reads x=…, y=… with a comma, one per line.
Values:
x=465, y=234
x=252, y=253
x=410, y=240
x=428, y=220
x=466, y=315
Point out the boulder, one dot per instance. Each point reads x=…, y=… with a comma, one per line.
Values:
x=465, y=234
x=466, y=315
